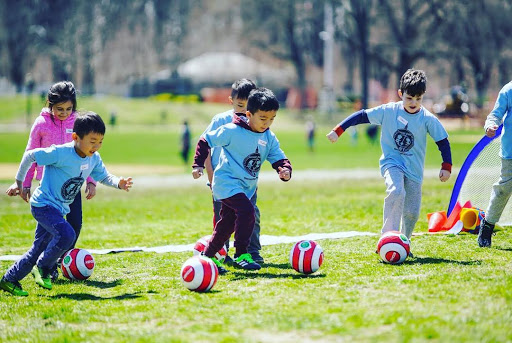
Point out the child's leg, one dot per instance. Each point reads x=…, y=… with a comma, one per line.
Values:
x=222, y=230
x=394, y=201
x=74, y=217
x=254, y=245
x=244, y=221
x=24, y=265
x=412, y=206
x=500, y=194
x=62, y=235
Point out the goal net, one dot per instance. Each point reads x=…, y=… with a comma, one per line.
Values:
x=478, y=173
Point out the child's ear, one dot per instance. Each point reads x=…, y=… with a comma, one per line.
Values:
x=400, y=94
x=248, y=114
x=74, y=136
x=230, y=98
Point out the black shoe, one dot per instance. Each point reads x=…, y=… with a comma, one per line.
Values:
x=257, y=257
x=485, y=233
x=54, y=274
x=246, y=262
x=220, y=268
x=228, y=260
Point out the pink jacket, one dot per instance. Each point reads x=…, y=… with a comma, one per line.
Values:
x=43, y=134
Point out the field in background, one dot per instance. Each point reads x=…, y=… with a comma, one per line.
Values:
x=452, y=291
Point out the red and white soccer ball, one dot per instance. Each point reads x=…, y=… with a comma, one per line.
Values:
x=199, y=274
x=77, y=264
x=201, y=245
x=306, y=256
x=393, y=247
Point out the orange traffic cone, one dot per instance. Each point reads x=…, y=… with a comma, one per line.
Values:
x=436, y=221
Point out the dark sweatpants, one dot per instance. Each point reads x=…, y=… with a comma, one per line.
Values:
x=236, y=215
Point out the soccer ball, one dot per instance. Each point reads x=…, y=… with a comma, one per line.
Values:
x=306, y=256
x=77, y=264
x=199, y=274
x=201, y=245
x=393, y=247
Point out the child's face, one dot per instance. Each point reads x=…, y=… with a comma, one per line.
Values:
x=62, y=110
x=239, y=105
x=261, y=120
x=412, y=104
x=88, y=145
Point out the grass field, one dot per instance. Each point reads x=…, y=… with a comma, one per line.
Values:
x=452, y=291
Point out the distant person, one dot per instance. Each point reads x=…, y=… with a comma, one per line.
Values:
x=55, y=126
x=405, y=125
x=66, y=168
x=113, y=119
x=502, y=189
x=185, y=142
x=240, y=90
x=310, y=133
x=245, y=144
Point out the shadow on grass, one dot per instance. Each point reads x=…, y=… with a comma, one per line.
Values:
x=437, y=260
x=92, y=283
x=239, y=275
x=276, y=265
x=86, y=296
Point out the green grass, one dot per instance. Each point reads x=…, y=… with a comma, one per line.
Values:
x=452, y=290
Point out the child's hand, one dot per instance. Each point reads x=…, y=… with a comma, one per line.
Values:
x=491, y=131
x=125, y=184
x=197, y=172
x=14, y=190
x=332, y=136
x=90, y=190
x=25, y=193
x=284, y=173
x=444, y=175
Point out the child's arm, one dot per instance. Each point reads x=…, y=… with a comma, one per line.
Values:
x=446, y=154
x=284, y=168
x=27, y=160
x=359, y=117
x=495, y=118
x=202, y=152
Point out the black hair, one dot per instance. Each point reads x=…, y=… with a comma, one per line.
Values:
x=413, y=82
x=240, y=89
x=61, y=92
x=262, y=99
x=87, y=123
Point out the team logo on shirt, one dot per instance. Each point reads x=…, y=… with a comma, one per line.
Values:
x=252, y=163
x=404, y=139
x=71, y=187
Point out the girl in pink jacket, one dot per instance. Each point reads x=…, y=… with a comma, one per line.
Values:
x=55, y=126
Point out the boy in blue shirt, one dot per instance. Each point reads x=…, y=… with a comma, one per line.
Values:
x=502, y=189
x=244, y=145
x=405, y=125
x=67, y=166
x=240, y=90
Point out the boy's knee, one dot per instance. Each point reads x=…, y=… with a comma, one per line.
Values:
x=67, y=235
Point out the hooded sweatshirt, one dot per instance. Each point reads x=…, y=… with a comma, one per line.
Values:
x=45, y=132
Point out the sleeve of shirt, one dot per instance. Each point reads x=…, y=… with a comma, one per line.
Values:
x=101, y=174
x=446, y=154
x=43, y=157
x=34, y=141
x=356, y=118
x=500, y=109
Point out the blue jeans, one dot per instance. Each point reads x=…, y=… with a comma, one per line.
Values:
x=254, y=244
x=54, y=236
x=74, y=217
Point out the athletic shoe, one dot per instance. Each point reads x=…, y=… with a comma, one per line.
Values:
x=13, y=287
x=40, y=278
x=54, y=274
x=228, y=260
x=220, y=268
x=256, y=257
x=246, y=262
x=485, y=233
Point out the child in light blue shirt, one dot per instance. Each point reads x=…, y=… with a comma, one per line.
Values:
x=244, y=145
x=502, y=189
x=67, y=167
x=405, y=125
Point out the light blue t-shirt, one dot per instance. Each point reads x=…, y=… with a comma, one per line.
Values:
x=241, y=154
x=64, y=174
x=217, y=121
x=404, y=137
x=501, y=114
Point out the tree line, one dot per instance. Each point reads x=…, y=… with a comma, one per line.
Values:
x=379, y=39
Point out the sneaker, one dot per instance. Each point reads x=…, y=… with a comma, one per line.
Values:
x=246, y=262
x=54, y=275
x=256, y=257
x=220, y=268
x=13, y=287
x=228, y=260
x=41, y=279
x=485, y=233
